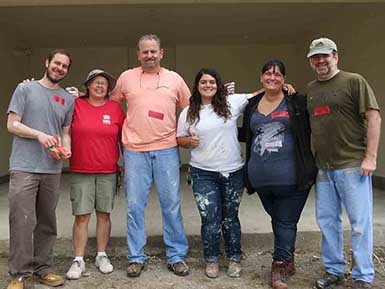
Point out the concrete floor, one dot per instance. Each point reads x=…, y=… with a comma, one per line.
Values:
x=252, y=215
x=256, y=246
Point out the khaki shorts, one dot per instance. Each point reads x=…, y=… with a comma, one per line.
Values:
x=92, y=191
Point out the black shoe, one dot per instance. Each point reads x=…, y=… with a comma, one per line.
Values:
x=328, y=280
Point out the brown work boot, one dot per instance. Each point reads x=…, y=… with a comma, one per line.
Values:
x=16, y=284
x=359, y=284
x=134, y=269
x=51, y=279
x=212, y=269
x=21, y=283
x=179, y=268
x=234, y=270
x=279, y=274
x=290, y=269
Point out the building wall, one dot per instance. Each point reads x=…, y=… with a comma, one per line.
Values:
x=14, y=63
x=361, y=50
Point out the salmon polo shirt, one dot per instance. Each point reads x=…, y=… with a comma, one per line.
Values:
x=152, y=100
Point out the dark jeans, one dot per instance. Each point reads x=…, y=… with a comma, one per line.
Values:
x=218, y=197
x=284, y=204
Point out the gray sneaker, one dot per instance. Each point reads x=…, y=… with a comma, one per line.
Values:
x=77, y=270
x=104, y=264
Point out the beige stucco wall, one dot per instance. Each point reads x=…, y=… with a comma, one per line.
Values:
x=361, y=50
x=13, y=65
x=103, y=2
x=238, y=63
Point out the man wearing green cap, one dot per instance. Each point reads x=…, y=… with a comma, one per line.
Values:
x=345, y=123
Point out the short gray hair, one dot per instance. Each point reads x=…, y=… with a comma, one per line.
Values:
x=149, y=37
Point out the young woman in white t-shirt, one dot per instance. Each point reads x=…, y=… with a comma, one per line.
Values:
x=208, y=126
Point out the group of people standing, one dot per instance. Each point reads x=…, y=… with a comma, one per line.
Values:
x=278, y=130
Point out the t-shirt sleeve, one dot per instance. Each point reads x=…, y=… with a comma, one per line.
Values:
x=183, y=94
x=18, y=100
x=239, y=101
x=367, y=99
x=183, y=126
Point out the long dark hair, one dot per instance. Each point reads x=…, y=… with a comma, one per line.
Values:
x=219, y=101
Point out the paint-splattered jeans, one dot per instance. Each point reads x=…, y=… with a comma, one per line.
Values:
x=218, y=197
x=346, y=187
x=284, y=204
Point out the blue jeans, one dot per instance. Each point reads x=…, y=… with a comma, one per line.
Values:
x=345, y=187
x=141, y=169
x=284, y=204
x=218, y=197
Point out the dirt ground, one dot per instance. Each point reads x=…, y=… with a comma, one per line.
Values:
x=256, y=266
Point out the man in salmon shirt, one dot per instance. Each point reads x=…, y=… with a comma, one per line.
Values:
x=345, y=123
x=152, y=94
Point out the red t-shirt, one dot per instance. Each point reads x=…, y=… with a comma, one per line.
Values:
x=95, y=135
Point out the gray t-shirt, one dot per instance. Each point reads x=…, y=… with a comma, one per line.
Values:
x=272, y=158
x=44, y=109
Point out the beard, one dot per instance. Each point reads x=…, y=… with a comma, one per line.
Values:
x=324, y=70
x=52, y=79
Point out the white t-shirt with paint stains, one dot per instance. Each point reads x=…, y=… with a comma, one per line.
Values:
x=219, y=149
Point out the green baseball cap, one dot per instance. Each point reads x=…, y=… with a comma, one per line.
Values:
x=321, y=46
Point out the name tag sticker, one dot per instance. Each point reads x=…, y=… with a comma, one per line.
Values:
x=155, y=114
x=106, y=119
x=283, y=113
x=58, y=99
x=321, y=110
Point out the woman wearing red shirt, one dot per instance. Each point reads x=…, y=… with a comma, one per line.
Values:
x=95, y=135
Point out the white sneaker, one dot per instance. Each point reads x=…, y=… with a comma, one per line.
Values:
x=77, y=270
x=104, y=264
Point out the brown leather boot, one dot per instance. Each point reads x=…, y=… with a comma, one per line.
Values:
x=279, y=272
x=290, y=269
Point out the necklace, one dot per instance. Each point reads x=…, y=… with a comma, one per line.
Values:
x=140, y=81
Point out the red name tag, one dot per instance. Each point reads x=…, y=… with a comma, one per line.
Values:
x=322, y=110
x=58, y=99
x=155, y=114
x=283, y=113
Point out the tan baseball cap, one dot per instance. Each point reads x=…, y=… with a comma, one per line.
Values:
x=321, y=46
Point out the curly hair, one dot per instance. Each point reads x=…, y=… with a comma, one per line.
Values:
x=219, y=101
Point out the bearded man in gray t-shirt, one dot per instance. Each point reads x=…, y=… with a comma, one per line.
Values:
x=39, y=117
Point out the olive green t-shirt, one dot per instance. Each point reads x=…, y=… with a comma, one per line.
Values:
x=337, y=117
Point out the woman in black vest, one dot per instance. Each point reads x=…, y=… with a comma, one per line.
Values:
x=279, y=163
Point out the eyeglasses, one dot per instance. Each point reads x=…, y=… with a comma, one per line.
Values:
x=100, y=83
